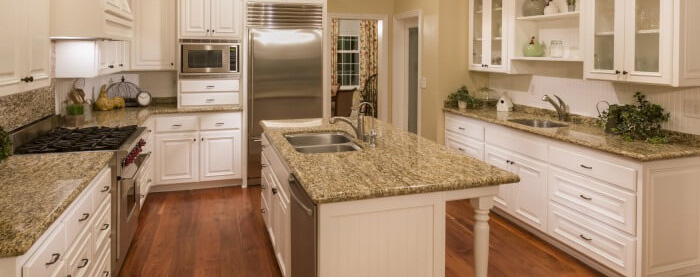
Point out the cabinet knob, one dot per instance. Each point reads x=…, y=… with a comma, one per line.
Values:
x=263, y=211
x=121, y=65
x=274, y=190
x=617, y=72
x=111, y=66
x=625, y=72
x=27, y=79
x=194, y=139
x=172, y=64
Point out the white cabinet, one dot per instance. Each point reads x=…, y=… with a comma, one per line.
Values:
x=643, y=41
x=211, y=18
x=88, y=59
x=153, y=46
x=210, y=92
x=177, y=158
x=219, y=160
x=108, y=19
x=277, y=205
x=24, y=46
x=488, y=39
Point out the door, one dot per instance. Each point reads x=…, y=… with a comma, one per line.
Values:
x=648, y=41
x=177, y=158
x=226, y=18
x=281, y=228
x=154, y=34
x=606, y=23
x=496, y=44
x=530, y=194
x=220, y=152
x=501, y=160
x=11, y=61
x=478, y=23
x=38, y=43
x=195, y=18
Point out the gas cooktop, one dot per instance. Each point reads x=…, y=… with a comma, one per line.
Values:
x=72, y=140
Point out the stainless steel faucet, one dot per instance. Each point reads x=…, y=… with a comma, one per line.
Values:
x=561, y=107
x=359, y=127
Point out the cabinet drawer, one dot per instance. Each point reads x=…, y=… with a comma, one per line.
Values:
x=209, y=85
x=52, y=250
x=80, y=259
x=603, y=202
x=209, y=99
x=103, y=267
x=462, y=126
x=468, y=146
x=605, y=245
x=265, y=210
x=220, y=121
x=584, y=163
x=517, y=142
x=102, y=187
x=177, y=123
x=79, y=218
x=101, y=227
x=279, y=171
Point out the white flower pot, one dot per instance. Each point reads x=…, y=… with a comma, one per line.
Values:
x=462, y=104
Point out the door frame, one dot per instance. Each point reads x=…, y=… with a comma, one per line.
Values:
x=399, y=102
x=383, y=67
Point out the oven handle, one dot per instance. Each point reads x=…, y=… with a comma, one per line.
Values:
x=292, y=182
x=147, y=156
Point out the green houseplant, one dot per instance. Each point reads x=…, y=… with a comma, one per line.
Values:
x=462, y=99
x=636, y=122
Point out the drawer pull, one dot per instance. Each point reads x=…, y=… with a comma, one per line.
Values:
x=262, y=187
x=85, y=217
x=105, y=189
x=585, y=197
x=177, y=125
x=586, y=167
x=105, y=273
x=461, y=128
x=264, y=165
x=54, y=258
x=274, y=190
x=263, y=211
x=142, y=196
x=219, y=124
x=460, y=149
x=210, y=100
x=211, y=87
x=85, y=263
x=585, y=238
x=104, y=227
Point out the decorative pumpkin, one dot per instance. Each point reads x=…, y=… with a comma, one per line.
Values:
x=103, y=103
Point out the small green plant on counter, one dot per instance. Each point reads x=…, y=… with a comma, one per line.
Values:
x=571, y=2
x=462, y=94
x=636, y=122
x=75, y=109
x=5, y=144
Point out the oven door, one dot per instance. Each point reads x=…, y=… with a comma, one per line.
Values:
x=206, y=58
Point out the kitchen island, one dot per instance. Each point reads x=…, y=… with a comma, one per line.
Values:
x=377, y=211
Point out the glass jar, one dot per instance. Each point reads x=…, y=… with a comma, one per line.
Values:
x=556, y=49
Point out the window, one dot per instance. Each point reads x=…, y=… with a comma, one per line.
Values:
x=348, y=61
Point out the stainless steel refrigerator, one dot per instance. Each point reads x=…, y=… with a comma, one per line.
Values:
x=285, y=68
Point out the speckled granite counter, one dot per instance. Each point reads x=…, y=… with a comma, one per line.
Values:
x=591, y=136
x=36, y=189
x=136, y=116
x=402, y=163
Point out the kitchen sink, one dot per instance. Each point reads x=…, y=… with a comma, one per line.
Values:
x=314, y=143
x=538, y=123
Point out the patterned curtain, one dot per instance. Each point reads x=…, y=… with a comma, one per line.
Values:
x=335, y=29
x=369, y=50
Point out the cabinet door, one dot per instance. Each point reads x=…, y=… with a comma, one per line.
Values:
x=478, y=23
x=221, y=151
x=226, y=18
x=501, y=160
x=605, y=24
x=37, y=44
x=11, y=62
x=648, y=41
x=105, y=49
x=530, y=194
x=281, y=220
x=195, y=18
x=177, y=158
x=154, y=35
x=122, y=53
x=497, y=47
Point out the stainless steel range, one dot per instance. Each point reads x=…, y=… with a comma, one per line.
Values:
x=127, y=142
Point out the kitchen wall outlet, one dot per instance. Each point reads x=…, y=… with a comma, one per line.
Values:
x=423, y=83
x=691, y=108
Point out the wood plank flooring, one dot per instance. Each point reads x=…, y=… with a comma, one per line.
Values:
x=219, y=232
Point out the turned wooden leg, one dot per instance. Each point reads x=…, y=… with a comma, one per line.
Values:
x=481, y=234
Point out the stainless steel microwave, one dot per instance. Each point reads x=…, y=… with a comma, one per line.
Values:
x=211, y=58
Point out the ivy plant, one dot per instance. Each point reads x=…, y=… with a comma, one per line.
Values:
x=636, y=122
x=462, y=94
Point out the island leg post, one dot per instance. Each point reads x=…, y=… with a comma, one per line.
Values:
x=481, y=205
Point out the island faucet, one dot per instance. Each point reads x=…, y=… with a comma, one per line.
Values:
x=561, y=107
x=359, y=127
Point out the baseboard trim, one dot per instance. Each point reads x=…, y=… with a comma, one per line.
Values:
x=194, y=186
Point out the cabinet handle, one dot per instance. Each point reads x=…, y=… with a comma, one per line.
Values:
x=105, y=189
x=210, y=100
x=585, y=238
x=85, y=217
x=194, y=139
x=54, y=258
x=212, y=31
x=617, y=72
x=219, y=124
x=625, y=72
x=202, y=139
x=510, y=162
x=27, y=79
x=264, y=165
x=105, y=273
x=274, y=190
x=211, y=87
x=177, y=125
x=585, y=197
x=104, y=227
x=172, y=64
x=586, y=167
x=263, y=211
x=462, y=128
x=85, y=263
x=460, y=149
x=142, y=195
x=111, y=66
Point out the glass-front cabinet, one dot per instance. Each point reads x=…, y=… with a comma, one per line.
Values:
x=487, y=42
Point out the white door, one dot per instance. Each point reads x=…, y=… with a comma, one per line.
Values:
x=648, y=41
x=154, y=35
x=279, y=226
x=195, y=18
x=477, y=34
x=226, y=18
x=220, y=155
x=530, y=194
x=605, y=25
x=105, y=62
x=177, y=158
x=11, y=61
x=500, y=159
x=38, y=44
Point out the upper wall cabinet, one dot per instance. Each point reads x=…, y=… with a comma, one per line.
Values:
x=211, y=18
x=153, y=47
x=487, y=25
x=89, y=19
x=25, y=46
x=87, y=59
x=643, y=41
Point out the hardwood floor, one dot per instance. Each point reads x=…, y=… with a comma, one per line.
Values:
x=219, y=232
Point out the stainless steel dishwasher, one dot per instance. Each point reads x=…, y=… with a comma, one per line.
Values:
x=304, y=232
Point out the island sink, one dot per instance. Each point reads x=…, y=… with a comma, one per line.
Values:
x=314, y=143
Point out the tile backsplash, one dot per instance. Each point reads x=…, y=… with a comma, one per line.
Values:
x=583, y=95
x=17, y=110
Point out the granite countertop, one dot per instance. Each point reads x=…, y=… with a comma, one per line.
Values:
x=36, y=189
x=401, y=164
x=588, y=135
x=137, y=116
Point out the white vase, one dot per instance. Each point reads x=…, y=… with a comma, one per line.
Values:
x=551, y=8
x=462, y=104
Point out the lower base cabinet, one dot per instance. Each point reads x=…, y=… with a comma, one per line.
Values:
x=275, y=205
x=177, y=158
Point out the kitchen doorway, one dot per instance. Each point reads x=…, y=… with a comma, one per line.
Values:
x=359, y=64
x=406, y=81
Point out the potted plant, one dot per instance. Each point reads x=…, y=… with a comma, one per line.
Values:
x=75, y=114
x=636, y=122
x=462, y=99
x=572, y=5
